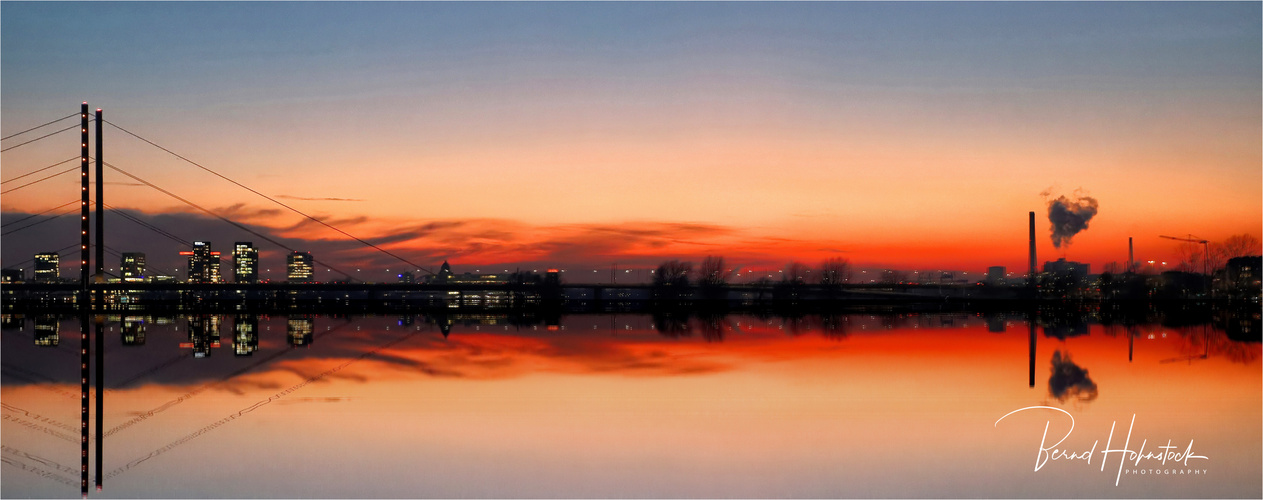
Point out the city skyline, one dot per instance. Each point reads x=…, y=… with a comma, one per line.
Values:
x=907, y=136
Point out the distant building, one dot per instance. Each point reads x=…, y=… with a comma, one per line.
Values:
x=245, y=262
x=1245, y=275
x=1062, y=266
x=133, y=266
x=300, y=267
x=446, y=276
x=407, y=278
x=996, y=275
x=11, y=276
x=47, y=267
x=203, y=263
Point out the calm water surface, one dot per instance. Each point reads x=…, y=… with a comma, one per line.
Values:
x=630, y=406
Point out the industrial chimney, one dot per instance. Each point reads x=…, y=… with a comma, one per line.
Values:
x=1031, y=279
x=1131, y=257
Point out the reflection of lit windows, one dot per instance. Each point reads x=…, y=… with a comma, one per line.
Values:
x=47, y=331
x=133, y=331
x=299, y=331
x=245, y=338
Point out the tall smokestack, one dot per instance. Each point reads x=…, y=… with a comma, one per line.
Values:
x=1031, y=279
x=1131, y=257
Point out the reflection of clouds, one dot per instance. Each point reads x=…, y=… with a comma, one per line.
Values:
x=1070, y=381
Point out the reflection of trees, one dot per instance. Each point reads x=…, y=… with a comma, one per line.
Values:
x=1063, y=323
x=1206, y=342
x=1070, y=381
x=672, y=324
x=834, y=327
x=712, y=326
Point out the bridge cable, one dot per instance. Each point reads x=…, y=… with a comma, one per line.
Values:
x=220, y=217
x=10, y=136
x=36, y=223
x=50, y=134
x=38, y=214
x=146, y=225
x=63, y=172
x=73, y=158
x=269, y=198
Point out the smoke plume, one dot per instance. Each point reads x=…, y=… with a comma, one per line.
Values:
x=1069, y=217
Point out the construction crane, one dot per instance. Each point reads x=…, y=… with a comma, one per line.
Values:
x=1205, y=249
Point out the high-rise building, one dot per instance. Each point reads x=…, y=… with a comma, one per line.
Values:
x=245, y=262
x=203, y=263
x=47, y=267
x=300, y=266
x=133, y=266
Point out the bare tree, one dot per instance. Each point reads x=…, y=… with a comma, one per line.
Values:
x=1190, y=257
x=672, y=273
x=712, y=272
x=835, y=271
x=796, y=273
x=893, y=276
x=1239, y=245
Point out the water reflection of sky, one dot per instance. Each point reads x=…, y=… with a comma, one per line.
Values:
x=634, y=406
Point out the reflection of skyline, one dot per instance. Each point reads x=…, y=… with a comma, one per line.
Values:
x=619, y=338
x=888, y=364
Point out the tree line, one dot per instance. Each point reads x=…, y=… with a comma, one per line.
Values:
x=713, y=272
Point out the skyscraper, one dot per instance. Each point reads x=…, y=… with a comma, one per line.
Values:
x=245, y=262
x=203, y=263
x=47, y=267
x=133, y=266
x=300, y=267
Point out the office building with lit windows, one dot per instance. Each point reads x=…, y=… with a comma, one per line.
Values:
x=203, y=263
x=300, y=267
x=245, y=262
x=133, y=266
x=47, y=267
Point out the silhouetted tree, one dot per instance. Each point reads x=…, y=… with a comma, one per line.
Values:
x=796, y=273
x=672, y=273
x=835, y=271
x=1240, y=245
x=712, y=272
x=893, y=276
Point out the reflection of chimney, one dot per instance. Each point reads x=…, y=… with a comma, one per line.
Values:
x=1131, y=257
x=1031, y=280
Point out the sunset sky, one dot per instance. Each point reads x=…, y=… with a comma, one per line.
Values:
x=909, y=135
